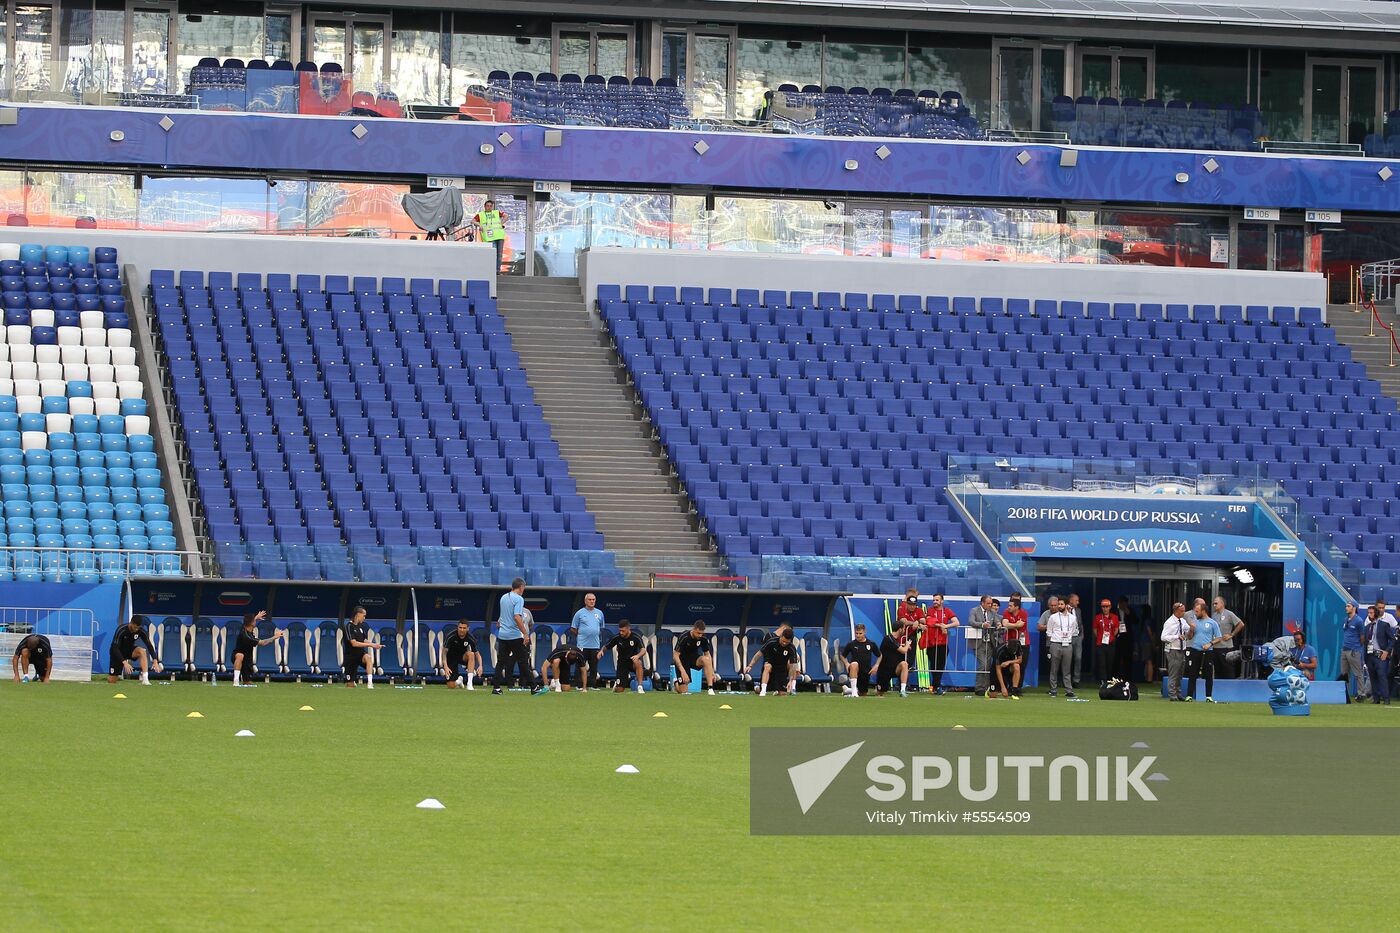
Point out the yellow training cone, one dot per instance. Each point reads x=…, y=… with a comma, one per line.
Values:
x=307, y=709
x=725, y=706
x=119, y=696
x=195, y=715
x=659, y=716
x=960, y=728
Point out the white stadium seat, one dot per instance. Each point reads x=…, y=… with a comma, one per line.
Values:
x=49, y=370
x=58, y=423
x=129, y=389
x=75, y=372
x=4, y=348
x=119, y=337
x=41, y=317
x=137, y=424
x=94, y=337
x=21, y=353
x=9, y=251
x=72, y=353
x=103, y=389
x=105, y=406
x=98, y=355
x=102, y=372
x=81, y=406
x=91, y=319
x=46, y=353
x=127, y=373
x=5, y=371
x=70, y=336
x=17, y=334
x=124, y=356
x=28, y=404
x=24, y=370
x=34, y=440
x=51, y=388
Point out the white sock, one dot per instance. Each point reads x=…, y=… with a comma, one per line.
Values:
x=792, y=686
x=639, y=689
x=145, y=677
x=369, y=679
x=471, y=675
x=459, y=681
x=237, y=676
x=763, y=690
x=903, y=690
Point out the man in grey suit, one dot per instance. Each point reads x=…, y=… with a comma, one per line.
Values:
x=986, y=622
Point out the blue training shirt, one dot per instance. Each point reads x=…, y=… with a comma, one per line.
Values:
x=1352, y=631
x=589, y=623
x=512, y=605
x=1206, y=631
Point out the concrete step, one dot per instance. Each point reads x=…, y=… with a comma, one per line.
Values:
x=601, y=428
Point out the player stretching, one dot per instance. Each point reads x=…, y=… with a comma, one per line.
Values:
x=693, y=652
x=459, y=650
x=35, y=650
x=559, y=668
x=248, y=642
x=358, y=649
x=631, y=656
x=779, y=663
x=896, y=653
x=125, y=650
x=860, y=654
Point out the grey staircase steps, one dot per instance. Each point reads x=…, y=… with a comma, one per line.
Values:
x=1354, y=328
x=603, y=433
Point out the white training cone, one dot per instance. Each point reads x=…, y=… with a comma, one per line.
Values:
x=431, y=803
x=1139, y=745
x=243, y=734
x=960, y=728
x=628, y=769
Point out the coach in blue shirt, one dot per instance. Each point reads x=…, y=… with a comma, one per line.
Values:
x=513, y=640
x=587, y=629
x=1358, y=682
x=1200, y=652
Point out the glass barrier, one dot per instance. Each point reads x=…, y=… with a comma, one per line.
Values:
x=410, y=564
x=885, y=575
x=90, y=565
x=969, y=477
x=97, y=75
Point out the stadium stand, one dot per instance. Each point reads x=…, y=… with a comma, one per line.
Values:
x=812, y=431
x=368, y=430
x=79, y=478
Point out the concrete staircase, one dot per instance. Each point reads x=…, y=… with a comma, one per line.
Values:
x=1354, y=329
x=603, y=432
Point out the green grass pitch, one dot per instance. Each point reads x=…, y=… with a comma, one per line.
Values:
x=126, y=814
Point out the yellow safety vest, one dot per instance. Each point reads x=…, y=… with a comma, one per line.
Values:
x=492, y=226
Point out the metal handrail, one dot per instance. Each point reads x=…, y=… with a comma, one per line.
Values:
x=46, y=560
x=1394, y=347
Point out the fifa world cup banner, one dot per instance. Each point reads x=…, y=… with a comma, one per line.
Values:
x=1015, y=512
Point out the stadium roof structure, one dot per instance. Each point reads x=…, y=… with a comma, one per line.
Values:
x=1301, y=14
